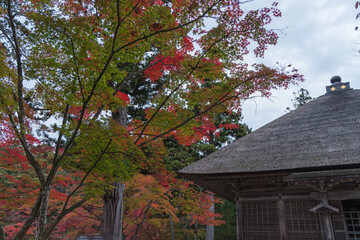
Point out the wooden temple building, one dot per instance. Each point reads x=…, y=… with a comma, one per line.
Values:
x=296, y=178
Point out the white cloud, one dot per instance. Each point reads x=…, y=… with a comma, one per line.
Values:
x=319, y=39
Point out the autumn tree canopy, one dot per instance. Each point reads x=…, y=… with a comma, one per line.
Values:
x=71, y=70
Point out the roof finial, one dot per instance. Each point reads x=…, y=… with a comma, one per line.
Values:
x=335, y=79
x=337, y=85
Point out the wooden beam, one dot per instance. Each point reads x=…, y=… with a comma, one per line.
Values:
x=243, y=176
x=273, y=198
x=332, y=195
x=344, y=195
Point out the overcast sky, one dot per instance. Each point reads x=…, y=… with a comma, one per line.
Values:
x=319, y=39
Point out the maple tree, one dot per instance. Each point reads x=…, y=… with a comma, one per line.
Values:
x=68, y=69
x=160, y=209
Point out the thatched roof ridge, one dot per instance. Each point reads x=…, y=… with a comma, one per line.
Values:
x=324, y=133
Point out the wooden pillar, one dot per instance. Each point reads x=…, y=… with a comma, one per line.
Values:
x=282, y=219
x=239, y=221
x=239, y=215
x=326, y=219
x=329, y=231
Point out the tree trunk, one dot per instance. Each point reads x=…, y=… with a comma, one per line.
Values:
x=42, y=226
x=2, y=233
x=111, y=226
x=172, y=228
x=196, y=230
x=210, y=230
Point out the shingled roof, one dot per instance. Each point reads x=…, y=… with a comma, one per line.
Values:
x=323, y=134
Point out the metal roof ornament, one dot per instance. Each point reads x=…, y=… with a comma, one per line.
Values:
x=337, y=85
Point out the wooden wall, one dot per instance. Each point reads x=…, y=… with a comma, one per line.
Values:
x=289, y=219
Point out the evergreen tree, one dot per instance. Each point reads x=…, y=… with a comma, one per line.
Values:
x=301, y=97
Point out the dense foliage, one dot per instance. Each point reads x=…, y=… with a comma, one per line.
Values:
x=301, y=97
x=90, y=89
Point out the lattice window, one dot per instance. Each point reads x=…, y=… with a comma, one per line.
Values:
x=260, y=221
x=353, y=224
x=339, y=222
x=301, y=223
x=352, y=218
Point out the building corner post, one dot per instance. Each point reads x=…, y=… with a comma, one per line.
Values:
x=282, y=219
x=239, y=216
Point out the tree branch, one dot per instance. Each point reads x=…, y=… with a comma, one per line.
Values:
x=20, y=97
x=218, y=102
x=86, y=175
x=82, y=112
x=4, y=31
x=30, y=157
x=177, y=87
x=34, y=212
x=97, y=217
x=142, y=222
x=63, y=213
x=119, y=23
x=169, y=29
x=58, y=142
x=77, y=70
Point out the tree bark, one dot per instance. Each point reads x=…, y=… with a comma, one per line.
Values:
x=111, y=226
x=42, y=227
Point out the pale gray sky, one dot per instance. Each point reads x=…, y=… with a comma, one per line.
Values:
x=318, y=38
